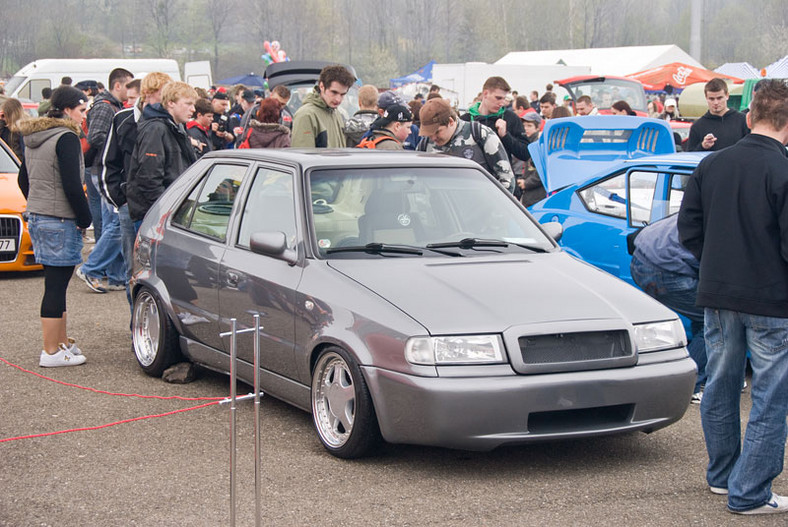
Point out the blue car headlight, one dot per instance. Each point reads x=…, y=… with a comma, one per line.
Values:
x=455, y=349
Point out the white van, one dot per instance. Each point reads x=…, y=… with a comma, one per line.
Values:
x=47, y=73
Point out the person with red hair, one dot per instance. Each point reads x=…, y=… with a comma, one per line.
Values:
x=265, y=130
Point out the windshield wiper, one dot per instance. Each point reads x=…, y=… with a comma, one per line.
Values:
x=471, y=243
x=375, y=247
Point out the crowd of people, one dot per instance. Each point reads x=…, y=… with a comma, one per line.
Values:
x=722, y=261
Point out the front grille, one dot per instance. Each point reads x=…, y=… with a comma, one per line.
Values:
x=562, y=348
x=10, y=227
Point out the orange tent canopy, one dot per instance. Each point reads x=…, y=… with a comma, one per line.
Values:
x=678, y=75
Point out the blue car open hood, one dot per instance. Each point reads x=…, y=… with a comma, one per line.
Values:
x=572, y=149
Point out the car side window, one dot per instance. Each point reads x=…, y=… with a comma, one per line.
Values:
x=270, y=206
x=642, y=187
x=678, y=182
x=207, y=208
x=607, y=197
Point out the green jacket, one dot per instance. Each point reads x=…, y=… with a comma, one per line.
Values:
x=315, y=125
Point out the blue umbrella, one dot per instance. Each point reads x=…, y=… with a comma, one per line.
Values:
x=249, y=79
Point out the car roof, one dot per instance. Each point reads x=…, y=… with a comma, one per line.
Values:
x=678, y=160
x=308, y=158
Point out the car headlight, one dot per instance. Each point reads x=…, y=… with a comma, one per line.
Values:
x=657, y=336
x=457, y=349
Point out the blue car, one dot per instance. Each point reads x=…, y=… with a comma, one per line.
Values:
x=606, y=177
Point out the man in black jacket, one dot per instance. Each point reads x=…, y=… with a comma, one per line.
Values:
x=116, y=160
x=491, y=111
x=163, y=150
x=721, y=126
x=734, y=219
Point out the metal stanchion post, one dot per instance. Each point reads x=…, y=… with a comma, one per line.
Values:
x=233, y=333
x=233, y=357
x=257, y=483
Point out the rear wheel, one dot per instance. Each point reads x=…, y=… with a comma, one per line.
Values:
x=342, y=408
x=154, y=339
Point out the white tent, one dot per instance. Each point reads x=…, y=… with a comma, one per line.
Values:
x=742, y=70
x=778, y=69
x=604, y=61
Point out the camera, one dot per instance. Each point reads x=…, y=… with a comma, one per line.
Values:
x=223, y=120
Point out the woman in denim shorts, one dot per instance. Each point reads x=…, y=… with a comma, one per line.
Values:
x=57, y=212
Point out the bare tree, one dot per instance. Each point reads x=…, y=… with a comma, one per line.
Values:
x=162, y=13
x=220, y=14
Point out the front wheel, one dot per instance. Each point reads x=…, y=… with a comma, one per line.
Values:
x=154, y=339
x=342, y=408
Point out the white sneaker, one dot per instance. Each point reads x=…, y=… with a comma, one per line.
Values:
x=697, y=397
x=72, y=347
x=721, y=491
x=63, y=357
x=775, y=504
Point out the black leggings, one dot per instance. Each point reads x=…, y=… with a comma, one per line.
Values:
x=56, y=279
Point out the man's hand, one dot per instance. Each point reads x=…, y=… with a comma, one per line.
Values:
x=214, y=126
x=708, y=141
x=500, y=126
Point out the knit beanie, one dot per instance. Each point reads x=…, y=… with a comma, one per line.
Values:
x=67, y=97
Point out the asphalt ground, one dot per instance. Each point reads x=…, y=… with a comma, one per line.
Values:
x=174, y=470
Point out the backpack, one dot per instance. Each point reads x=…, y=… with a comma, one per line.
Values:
x=476, y=134
x=245, y=142
x=373, y=143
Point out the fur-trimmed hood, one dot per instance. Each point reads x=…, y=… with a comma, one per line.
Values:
x=36, y=131
x=268, y=127
x=31, y=126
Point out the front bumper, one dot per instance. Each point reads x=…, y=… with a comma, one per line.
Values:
x=482, y=413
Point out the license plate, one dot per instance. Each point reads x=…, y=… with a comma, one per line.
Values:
x=7, y=245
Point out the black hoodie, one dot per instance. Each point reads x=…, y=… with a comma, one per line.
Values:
x=162, y=152
x=727, y=128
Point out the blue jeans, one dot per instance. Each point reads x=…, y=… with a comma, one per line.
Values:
x=747, y=469
x=127, y=235
x=94, y=202
x=678, y=292
x=106, y=258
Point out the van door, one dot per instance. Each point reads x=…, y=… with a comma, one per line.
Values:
x=198, y=74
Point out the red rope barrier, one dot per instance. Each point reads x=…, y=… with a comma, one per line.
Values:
x=94, y=390
x=108, y=424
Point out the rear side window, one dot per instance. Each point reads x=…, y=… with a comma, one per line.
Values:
x=207, y=208
x=608, y=197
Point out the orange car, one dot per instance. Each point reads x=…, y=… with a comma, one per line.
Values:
x=16, y=250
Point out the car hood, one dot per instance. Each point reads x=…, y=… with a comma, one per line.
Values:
x=11, y=198
x=488, y=294
x=573, y=149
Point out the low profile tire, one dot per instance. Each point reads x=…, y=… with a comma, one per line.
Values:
x=154, y=339
x=342, y=408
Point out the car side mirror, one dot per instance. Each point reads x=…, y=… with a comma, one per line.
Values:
x=554, y=229
x=273, y=244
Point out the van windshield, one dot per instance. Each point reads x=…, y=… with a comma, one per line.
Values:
x=14, y=83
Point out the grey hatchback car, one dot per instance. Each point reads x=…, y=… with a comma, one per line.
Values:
x=403, y=296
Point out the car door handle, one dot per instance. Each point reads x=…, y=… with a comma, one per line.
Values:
x=233, y=278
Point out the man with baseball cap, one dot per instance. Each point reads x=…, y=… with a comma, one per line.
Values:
x=390, y=129
x=443, y=132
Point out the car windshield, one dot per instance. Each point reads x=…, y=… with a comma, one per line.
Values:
x=604, y=94
x=298, y=93
x=440, y=211
x=7, y=163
